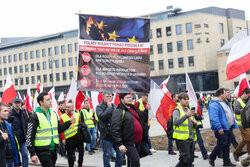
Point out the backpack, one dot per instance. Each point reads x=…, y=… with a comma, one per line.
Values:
x=170, y=129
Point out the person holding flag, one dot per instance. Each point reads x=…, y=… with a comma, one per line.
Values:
x=43, y=132
x=184, y=131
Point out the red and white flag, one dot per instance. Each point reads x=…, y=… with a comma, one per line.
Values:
x=20, y=97
x=9, y=92
x=164, y=86
x=163, y=106
x=238, y=61
x=79, y=99
x=116, y=99
x=35, y=103
x=90, y=101
x=39, y=87
x=72, y=91
x=100, y=97
x=95, y=99
x=28, y=100
x=191, y=93
x=243, y=83
x=54, y=105
x=61, y=97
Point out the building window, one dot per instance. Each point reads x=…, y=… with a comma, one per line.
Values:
x=50, y=64
x=69, y=48
x=45, y=78
x=0, y=60
x=16, y=82
x=222, y=42
x=168, y=31
x=170, y=63
x=206, y=25
x=70, y=74
x=178, y=29
x=64, y=76
x=70, y=61
x=191, y=61
x=151, y=34
x=26, y=56
x=31, y=54
x=38, y=78
x=159, y=48
x=152, y=66
x=37, y=53
x=170, y=47
x=21, y=81
x=63, y=62
x=56, y=50
x=50, y=51
x=4, y=59
x=180, y=62
x=50, y=77
x=26, y=68
x=32, y=67
x=1, y=83
x=5, y=71
x=10, y=58
x=161, y=64
x=158, y=32
x=190, y=44
x=15, y=69
x=27, y=80
x=76, y=60
x=221, y=27
x=44, y=65
x=21, y=68
x=76, y=47
x=188, y=27
x=33, y=80
x=179, y=46
x=0, y=72
x=43, y=52
x=238, y=28
x=38, y=66
x=10, y=70
x=62, y=49
x=57, y=63
x=15, y=57
x=20, y=56
x=227, y=54
x=151, y=49
x=57, y=76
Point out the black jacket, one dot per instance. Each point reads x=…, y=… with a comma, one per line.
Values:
x=31, y=133
x=123, y=128
x=19, y=122
x=104, y=114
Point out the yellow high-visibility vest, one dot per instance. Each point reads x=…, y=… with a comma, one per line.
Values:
x=70, y=131
x=87, y=117
x=45, y=130
x=238, y=116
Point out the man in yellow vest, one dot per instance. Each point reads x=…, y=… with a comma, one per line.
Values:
x=87, y=116
x=70, y=137
x=184, y=131
x=43, y=132
x=238, y=106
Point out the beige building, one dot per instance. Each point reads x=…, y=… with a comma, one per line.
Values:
x=179, y=41
x=222, y=61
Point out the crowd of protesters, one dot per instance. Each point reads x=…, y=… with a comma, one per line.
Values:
x=123, y=129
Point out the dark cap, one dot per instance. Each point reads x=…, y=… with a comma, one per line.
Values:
x=16, y=100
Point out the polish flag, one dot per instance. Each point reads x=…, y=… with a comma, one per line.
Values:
x=238, y=61
x=28, y=100
x=90, y=101
x=163, y=105
x=100, y=97
x=236, y=91
x=79, y=99
x=20, y=97
x=61, y=97
x=54, y=105
x=191, y=93
x=95, y=98
x=116, y=99
x=72, y=91
x=39, y=87
x=243, y=83
x=164, y=88
x=9, y=92
x=35, y=103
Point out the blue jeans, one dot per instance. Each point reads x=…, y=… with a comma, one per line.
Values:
x=10, y=164
x=24, y=152
x=200, y=143
x=223, y=144
x=92, y=131
x=107, y=153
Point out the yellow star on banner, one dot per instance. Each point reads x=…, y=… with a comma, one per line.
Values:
x=113, y=36
x=100, y=25
x=132, y=39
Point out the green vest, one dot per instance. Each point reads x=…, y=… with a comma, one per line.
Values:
x=238, y=116
x=72, y=130
x=46, y=131
x=181, y=132
x=141, y=106
x=87, y=117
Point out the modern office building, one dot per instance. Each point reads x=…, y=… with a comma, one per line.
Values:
x=179, y=41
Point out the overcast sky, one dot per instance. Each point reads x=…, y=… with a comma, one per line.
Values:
x=22, y=18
